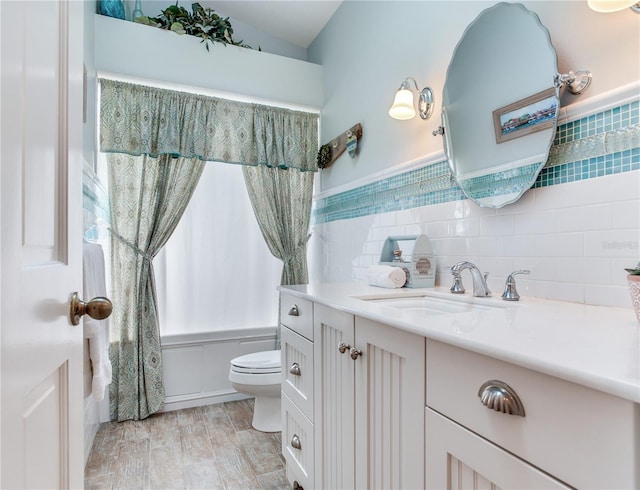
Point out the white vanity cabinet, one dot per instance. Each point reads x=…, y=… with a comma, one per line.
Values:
x=582, y=437
x=369, y=400
x=296, y=320
x=385, y=405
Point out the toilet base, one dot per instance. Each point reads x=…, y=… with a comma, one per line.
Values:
x=266, y=414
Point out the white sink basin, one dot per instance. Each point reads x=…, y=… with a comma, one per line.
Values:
x=434, y=303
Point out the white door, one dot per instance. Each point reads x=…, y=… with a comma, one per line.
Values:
x=40, y=243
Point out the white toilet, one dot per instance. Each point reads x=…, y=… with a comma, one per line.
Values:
x=259, y=374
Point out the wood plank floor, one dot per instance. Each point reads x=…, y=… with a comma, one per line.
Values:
x=211, y=447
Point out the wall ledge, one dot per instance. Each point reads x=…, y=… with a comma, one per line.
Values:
x=148, y=53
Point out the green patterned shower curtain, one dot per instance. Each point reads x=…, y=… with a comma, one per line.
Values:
x=147, y=199
x=281, y=201
x=156, y=141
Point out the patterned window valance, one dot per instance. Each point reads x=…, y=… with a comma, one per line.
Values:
x=142, y=120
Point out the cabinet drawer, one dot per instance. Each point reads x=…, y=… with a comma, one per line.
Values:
x=297, y=443
x=583, y=437
x=297, y=370
x=297, y=314
x=297, y=479
x=456, y=458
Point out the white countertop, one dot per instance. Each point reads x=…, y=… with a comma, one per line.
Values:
x=595, y=346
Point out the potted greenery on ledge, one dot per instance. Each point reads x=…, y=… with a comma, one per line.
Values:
x=633, y=279
x=200, y=22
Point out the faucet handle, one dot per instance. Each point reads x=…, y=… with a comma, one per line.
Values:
x=486, y=287
x=510, y=291
x=457, y=287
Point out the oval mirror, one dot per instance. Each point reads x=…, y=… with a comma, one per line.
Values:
x=500, y=104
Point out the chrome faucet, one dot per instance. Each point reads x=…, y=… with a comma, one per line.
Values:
x=480, y=287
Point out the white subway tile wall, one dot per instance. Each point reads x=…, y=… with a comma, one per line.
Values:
x=576, y=252
x=576, y=229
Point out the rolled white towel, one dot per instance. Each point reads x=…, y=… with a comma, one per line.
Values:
x=386, y=276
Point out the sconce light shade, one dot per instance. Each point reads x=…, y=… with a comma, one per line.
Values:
x=613, y=5
x=402, y=107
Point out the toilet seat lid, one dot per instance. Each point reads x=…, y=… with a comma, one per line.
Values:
x=263, y=362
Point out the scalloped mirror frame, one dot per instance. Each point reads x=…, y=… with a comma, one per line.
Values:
x=490, y=70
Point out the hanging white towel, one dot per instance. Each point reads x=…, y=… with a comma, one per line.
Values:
x=386, y=276
x=97, y=331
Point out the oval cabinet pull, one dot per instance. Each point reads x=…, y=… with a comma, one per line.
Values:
x=293, y=311
x=297, y=486
x=342, y=347
x=295, y=369
x=500, y=397
x=295, y=442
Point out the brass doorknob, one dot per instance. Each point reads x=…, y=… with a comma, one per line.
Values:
x=98, y=308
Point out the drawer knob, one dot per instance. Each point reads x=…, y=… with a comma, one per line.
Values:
x=295, y=369
x=500, y=397
x=293, y=311
x=355, y=353
x=342, y=347
x=295, y=442
x=297, y=486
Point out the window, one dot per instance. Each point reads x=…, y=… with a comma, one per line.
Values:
x=216, y=272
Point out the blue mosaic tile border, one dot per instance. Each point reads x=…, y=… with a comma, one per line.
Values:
x=510, y=182
x=589, y=168
x=601, y=144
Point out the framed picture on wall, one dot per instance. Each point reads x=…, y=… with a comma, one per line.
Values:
x=526, y=116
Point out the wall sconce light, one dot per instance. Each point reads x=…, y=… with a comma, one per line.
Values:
x=402, y=107
x=606, y=6
x=574, y=82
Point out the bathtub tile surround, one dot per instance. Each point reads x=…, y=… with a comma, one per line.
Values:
x=203, y=447
x=574, y=229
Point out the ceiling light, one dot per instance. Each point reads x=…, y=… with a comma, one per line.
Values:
x=613, y=5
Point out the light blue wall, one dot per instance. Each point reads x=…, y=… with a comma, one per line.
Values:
x=369, y=47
